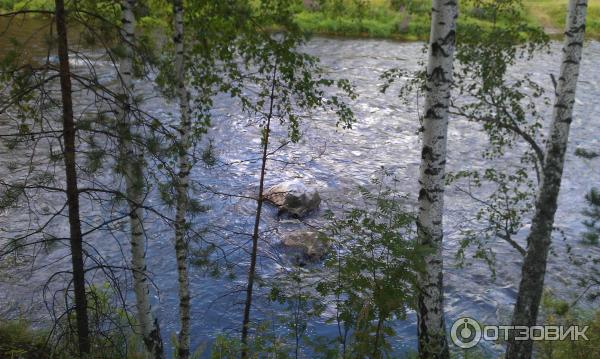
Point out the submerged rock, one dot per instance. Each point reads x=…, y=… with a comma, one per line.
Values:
x=306, y=246
x=293, y=197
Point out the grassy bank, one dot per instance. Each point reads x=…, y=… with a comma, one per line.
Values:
x=406, y=20
x=19, y=340
x=558, y=312
x=551, y=14
x=409, y=19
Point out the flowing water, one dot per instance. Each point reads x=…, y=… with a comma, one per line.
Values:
x=336, y=161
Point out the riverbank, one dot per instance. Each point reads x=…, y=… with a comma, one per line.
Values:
x=403, y=20
x=408, y=20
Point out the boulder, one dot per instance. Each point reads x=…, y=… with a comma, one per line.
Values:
x=293, y=197
x=305, y=246
x=312, y=5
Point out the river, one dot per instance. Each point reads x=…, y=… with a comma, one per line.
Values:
x=336, y=161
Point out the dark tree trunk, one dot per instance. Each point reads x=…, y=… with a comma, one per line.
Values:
x=76, y=239
x=539, y=238
x=256, y=233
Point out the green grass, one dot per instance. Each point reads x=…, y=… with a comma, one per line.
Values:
x=381, y=19
x=376, y=19
x=26, y=4
x=385, y=19
x=385, y=27
x=558, y=312
x=18, y=340
x=551, y=14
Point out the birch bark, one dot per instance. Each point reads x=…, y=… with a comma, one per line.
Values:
x=540, y=235
x=182, y=182
x=132, y=161
x=430, y=311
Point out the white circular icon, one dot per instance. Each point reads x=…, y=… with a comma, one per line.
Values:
x=465, y=333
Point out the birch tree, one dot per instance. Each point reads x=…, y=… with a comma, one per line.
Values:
x=83, y=126
x=430, y=311
x=182, y=181
x=132, y=161
x=540, y=235
x=89, y=138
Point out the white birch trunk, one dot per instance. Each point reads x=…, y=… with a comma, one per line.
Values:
x=430, y=311
x=134, y=180
x=539, y=238
x=182, y=183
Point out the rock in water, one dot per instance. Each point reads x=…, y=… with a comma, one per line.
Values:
x=293, y=197
x=305, y=246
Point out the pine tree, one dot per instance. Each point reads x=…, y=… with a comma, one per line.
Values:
x=76, y=239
